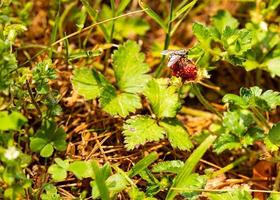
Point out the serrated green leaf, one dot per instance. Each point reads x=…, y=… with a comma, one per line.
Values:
x=46, y=151
x=236, y=100
x=224, y=19
x=129, y=67
x=81, y=169
x=189, y=166
x=140, y=130
x=236, y=194
x=172, y=166
x=201, y=32
x=88, y=82
x=177, y=134
x=226, y=141
x=119, y=104
x=163, y=98
x=238, y=121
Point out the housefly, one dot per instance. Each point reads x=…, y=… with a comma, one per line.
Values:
x=180, y=65
x=174, y=55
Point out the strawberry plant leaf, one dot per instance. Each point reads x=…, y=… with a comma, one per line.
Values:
x=163, y=98
x=202, y=33
x=119, y=104
x=129, y=67
x=140, y=130
x=226, y=141
x=224, y=19
x=176, y=134
x=171, y=166
x=88, y=82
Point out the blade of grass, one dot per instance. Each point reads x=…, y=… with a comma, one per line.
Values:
x=166, y=42
x=100, y=182
x=189, y=166
x=74, y=34
x=94, y=16
x=184, y=9
x=55, y=29
x=122, y=5
x=153, y=15
x=142, y=164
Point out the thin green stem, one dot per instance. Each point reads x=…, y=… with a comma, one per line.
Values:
x=203, y=101
x=166, y=42
x=229, y=166
x=261, y=118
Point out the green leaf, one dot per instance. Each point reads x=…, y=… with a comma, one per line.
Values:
x=189, y=166
x=226, y=141
x=142, y=164
x=224, y=19
x=140, y=130
x=51, y=193
x=100, y=182
x=177, y=134
x=115, y=183
x=62, y=163
x=201, y=32
x=36, y=144
x=88, y=82
x=235, y=194
x=49, y=136
x=173, y=166
x=193, y=182
x=183, y=8
x=122, y=5
x=274, y=134
x=129, y=67
x=236, y=100
x=46, y=151
x=81, y=169
x=163, y=98
x=119, y=104
x=12, y=121
x=238, y=121
x=58, y=173
x=153, y=15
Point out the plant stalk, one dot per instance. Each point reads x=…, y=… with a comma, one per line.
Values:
x=203, y=101
x=229, y=166
x=166, y=42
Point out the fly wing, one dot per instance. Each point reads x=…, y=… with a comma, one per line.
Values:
x=172, y=60
x=167, y=52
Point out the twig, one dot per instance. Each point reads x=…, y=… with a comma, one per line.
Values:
x=33, y=99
